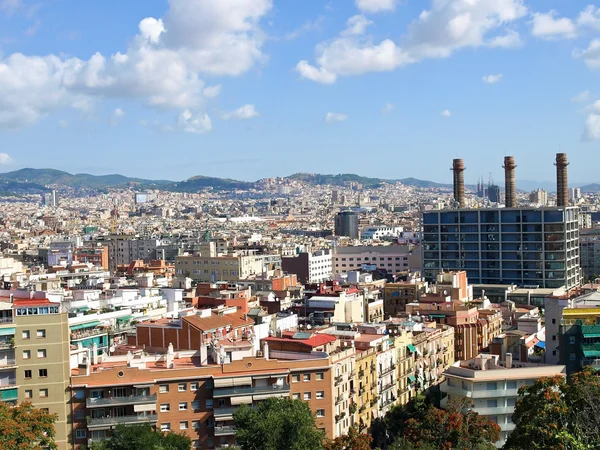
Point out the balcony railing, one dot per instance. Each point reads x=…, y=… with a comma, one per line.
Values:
x=225, y=430
x=118, y=401
x=250, y=390
x=339, y=399
x=125, y=420
x=75, y=335
x=361, y=374
x=387, y=386
x=338, y=379
x=388, y=369
x=224, y=413
x=6, y=383
x=7, y=320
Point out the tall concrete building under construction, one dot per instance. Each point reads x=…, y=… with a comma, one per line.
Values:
x=526, y=246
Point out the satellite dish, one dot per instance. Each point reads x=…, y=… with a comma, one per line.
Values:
x=112, y=349
x=308, y=327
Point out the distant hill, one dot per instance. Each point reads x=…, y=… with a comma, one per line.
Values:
x=591, y=188
x=344, y=178
x=46, y=177
x=196, y=183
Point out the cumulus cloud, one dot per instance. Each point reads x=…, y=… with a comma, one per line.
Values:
x=550, y=26
x=592, y=128
x=357, y=25
x=306, y=27
x=437, y=33
x=590, y=55
x=194, y=123
x=243, y=112
x=212, y=91
x=589, y=17
x=374, y=6
x=5, y=159
x=162, y=67
x=387, y=109
x=9, y=7
x=581, y=97
x=332, y=117
x=116, y=116
x=446, y=113
x=492, y=79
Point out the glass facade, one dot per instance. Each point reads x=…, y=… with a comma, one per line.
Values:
x=522, y=246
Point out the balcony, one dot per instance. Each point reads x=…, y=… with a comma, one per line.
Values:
x=8, y=383
x=495, y=410
x=361, y=374
x=339, y=379
x=120, y=401
x=387, y=387
x=7, y=363
x=107, y=422
x=224, y=413
x=7, y=320
x=340, y=399
x=225, y=430
x=493, y=393
x=275, y=390
x=82, y=334
x=388, y=369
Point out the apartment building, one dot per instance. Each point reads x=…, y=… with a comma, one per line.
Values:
x=313, y=267
x=493, y=386
x=366, y=400
x=397, y=295
x=98, y=256
x=230, y=267
x=523, y=246
x=123, y=249
x=393, y=258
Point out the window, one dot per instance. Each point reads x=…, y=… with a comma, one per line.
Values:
x=80, y=414
x=41, y=353
x=320, y=413
x=193, y=386
x=26, y=354
x=28, y=393
x=165, y=427
x=25, y=334
x=571, y=340
x=80, y=433
x=492, y=403
x=182, y=387
x=306, y=377
x=43, y=393
x=183, y=425
x=209, y=404
x=511, y=401
x=43, y=373
x=295, y=378
x=320, y=395
x=296, y=396
x=491, y=386
x=511, y=385
x=165, y=407
x=27, y=374
x=572, y=357
x=182, y=406
x=41, y=334
x=307, y=396
x=196, y=424
x=163, y=388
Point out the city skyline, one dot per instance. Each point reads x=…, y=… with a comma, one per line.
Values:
x=326, y=85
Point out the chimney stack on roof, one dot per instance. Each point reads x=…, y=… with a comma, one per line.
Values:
x=510, y=186
x=458, y=167
x=562, y=185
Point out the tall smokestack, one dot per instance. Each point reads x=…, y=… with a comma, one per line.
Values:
x=458, y=167
x=510, y=186
x=562, y=185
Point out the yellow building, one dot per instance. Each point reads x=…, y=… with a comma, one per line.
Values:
x=366, y=377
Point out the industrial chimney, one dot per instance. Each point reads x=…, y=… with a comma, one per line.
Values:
x=510, y=186
x=562, y=185
x=458, y=167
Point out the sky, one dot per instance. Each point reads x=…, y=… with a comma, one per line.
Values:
x=248, y=89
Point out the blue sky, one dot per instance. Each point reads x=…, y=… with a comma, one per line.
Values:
x=256, y=88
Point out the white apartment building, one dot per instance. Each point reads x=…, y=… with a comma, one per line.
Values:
x=493, y=386
x=379, y=232
x=230, y=267
x=393, y=258
x=314, y=267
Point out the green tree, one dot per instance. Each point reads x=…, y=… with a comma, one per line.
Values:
x=558, y=414
x=354, y=440
x=24, y=427
x=135, y=437
x=277, y=423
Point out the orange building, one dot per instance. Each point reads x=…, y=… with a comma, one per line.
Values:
x=98, y=256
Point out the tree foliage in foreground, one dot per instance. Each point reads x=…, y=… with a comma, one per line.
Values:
x=354, y=440
x=277, y=423
x=24, y=427
x=145, y=437
x=554, y=413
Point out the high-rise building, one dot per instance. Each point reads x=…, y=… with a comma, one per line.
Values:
x=523, y=246
x=50, y=199
x=346, y=224
x=312, y=267
x=539, y=197
x=493, y=193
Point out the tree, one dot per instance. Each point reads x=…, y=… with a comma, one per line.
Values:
x=277, y=423
x=24, y=427
x=354, y=440
x=554, y=413
x=134, y=437
x=457, y=428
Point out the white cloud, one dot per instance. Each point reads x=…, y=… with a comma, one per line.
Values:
x=591, y=55
x=5, y=159
x=387, y=109
x=243, y=112
x=63, y=123
x=373, y=6
x=549, y=26
x=592, y=128
x=161, y=67
x=446, y=113
x=589, y=17
x=116, y=116
x=212, y=91
x=194, y=123
x=437, y=33
x=306, y=27
x=332, y=117
x=492, y=79
x=9, y=7
x=581, y=97
x=357, y=25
